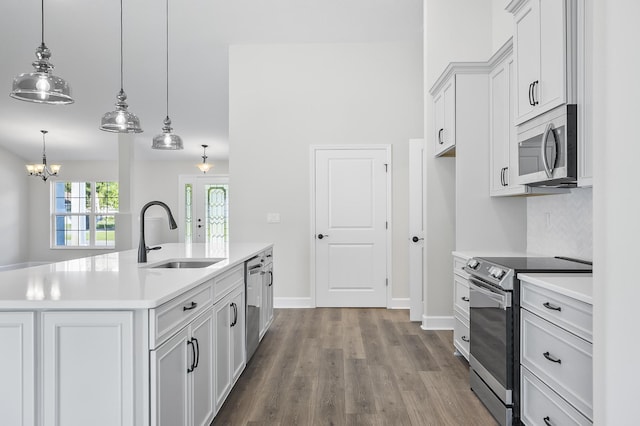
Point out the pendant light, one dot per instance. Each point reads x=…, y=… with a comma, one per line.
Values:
x=167, y=140
x=204, y=166
x=40, y=85
x=43, y=170
x=121, y=120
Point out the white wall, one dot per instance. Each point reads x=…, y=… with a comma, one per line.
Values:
x=561, y=224
x=501, y=24
x=458, y=30
x=14, y=202
x=616, y=211
x=284, y=98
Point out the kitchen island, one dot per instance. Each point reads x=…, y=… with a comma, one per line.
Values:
x=105, y=340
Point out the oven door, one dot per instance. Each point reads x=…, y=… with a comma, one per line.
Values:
x=491, y=330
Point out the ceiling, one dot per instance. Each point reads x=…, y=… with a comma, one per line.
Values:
x=83, y=36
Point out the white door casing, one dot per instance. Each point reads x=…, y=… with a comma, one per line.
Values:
x=416, y=228
x=350, y=225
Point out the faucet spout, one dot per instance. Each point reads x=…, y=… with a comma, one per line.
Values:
x=142, y=246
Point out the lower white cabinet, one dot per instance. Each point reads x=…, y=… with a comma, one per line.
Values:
x=230, y=354
x=266, y=311
x=17, y=386
x=87, y=368
x=461, y=335
x=182, y=376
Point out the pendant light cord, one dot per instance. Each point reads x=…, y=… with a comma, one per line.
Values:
x=121, y=49
x=167, y=13
x=42, y=13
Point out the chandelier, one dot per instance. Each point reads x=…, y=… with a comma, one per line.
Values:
x=43, y=170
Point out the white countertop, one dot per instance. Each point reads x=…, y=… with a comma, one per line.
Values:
x=116, y=280
x=577, y=286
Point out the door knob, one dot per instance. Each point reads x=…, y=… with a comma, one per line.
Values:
x=320, y=236
x=416, y=239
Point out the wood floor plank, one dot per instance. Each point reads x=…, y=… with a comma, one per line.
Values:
x=333, y=366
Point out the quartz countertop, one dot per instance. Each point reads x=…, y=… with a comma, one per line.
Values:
x=577, y=286
x=116, y=280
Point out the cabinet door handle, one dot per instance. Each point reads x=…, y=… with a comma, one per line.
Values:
x=235, y=314
x=533, y=92
x=506, y=176
x=193, y=352
x=547, y=421
x=548, y=356
x=193, y=305
x=464, y=299
x=270, y=278
x=552, y=307
x=440, y=141
x=465, y=339
x=197, y=354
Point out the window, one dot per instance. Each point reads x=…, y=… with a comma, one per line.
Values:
x=83, y=214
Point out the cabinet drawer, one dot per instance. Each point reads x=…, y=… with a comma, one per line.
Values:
x=539, y=402
x=458, y=266
x=461, y=295
x=564, y=311
x=560, y=359
x=461, y=335
x=224, y=283
x=176, y=313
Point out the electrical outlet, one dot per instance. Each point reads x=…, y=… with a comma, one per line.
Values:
x=273, y=217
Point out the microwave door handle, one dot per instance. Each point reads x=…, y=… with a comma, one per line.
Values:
x=545, y=138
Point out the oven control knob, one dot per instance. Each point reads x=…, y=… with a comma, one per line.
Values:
x=473, y=263
x=496, y=273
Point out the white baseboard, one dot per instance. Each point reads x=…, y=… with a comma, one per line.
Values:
x=437, y=323
x=399, y=303
x=292, y=302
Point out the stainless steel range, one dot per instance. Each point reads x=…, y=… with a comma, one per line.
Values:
x=494, y=325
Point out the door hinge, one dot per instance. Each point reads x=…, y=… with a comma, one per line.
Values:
x=386, y=168
x=386, y=282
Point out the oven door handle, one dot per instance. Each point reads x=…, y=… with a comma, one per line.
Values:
x=503, y=298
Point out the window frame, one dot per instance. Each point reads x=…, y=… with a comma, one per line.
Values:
x=93, y=215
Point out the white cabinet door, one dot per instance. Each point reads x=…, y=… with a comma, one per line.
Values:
x=238, y=353
x=541, y=38
x=266, y=311
x=499, y=128
x=201, y=386
x=169, y=387
x=17, y=386
x=87, y=368
x=222, y=347
x=445, y=112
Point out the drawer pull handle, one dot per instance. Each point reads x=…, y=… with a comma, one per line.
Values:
x=193, y=305
x=464, y=299
x=552, y=359
x=547, y=421
x=465, y=339
x=552, y=307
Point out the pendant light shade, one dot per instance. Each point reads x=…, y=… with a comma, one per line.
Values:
x=204, y=166
x=167, y=140
x=41, y=85
x=121, y=120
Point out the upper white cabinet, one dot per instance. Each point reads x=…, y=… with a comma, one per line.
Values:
x=544, y=49
x=445, y=117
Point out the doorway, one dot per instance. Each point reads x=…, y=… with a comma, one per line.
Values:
x=204, y=212
x=350, y=209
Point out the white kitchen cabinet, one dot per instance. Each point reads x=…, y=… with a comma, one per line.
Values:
x=87, y=368
x=182, y=376
x=17, y=387
x=445, y=117
x=230, y=354
x=544, y=40
x=555, y=355
x=266, y=310
x=461, y=335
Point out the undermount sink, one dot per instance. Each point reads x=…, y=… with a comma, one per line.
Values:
x=180, y=264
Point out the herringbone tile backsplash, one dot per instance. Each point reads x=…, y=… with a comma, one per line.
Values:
x=561, y=224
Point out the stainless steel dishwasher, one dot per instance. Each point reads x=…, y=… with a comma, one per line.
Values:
x=253, y=287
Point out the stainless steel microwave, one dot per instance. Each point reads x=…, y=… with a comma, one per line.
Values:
x=547, y=149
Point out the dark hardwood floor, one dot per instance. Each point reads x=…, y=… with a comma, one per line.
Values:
x=331, y=366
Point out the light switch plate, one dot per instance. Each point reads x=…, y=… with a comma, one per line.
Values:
x=273, y=217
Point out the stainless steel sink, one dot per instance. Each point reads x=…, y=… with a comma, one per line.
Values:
x=180, y=264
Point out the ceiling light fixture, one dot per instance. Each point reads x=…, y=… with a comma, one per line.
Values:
x=40, y=85
x=121, y=120
x=167, y=140
x=42, y=170
x=204, y=166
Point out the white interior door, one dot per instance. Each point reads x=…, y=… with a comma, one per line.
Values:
x=351, y=220
x=416, y=228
